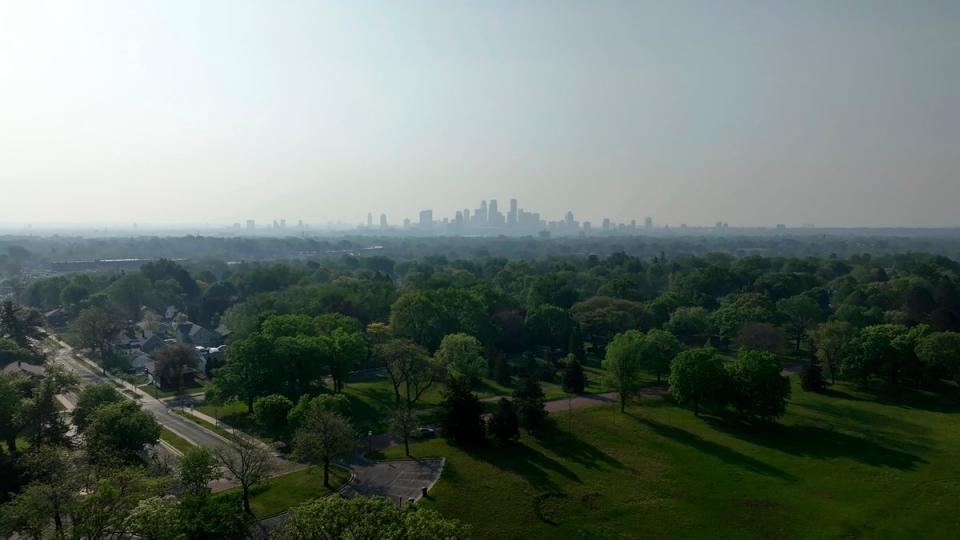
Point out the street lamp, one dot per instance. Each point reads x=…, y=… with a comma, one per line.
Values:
x=370, y=442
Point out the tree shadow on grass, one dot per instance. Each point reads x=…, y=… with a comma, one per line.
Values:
x=572, y=448
x=820, y=443
x=938, y=397
x=718, y=451
x=529, y=463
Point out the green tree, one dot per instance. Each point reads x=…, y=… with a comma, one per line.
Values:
x=657, y=351
x=462, y=356
x=323, y=437
x=548, y=325
x=247, y=374
x=832, y=342
x=89, y=400
x=335, y=518
x=811, y=378
x=271, y=412
x=801, y=312
x=600, y=318
x=622, y=365
x=97, y=326
x=461, y=418
x=689, y=324
x=11, y=403
x=40, y=414
x=20, y=325
x=402, y=424
x=697, y=376
x=213, y=518
x=941, y=350
x=529, y=401
x=172, y=362
x=757, y=388
x=122, y=430
x=11, y=352
x=197, y=468
x=574, y=380
x=155, y=518
x=348, y=350
x=505, y=423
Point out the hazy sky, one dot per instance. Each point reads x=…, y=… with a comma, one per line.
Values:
x=834, y=112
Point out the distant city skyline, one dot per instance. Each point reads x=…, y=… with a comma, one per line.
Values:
x=692, y=111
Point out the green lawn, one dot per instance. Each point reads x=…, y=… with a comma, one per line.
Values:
x=282, y=492
x=197, y=385
x=175, y=440
x=844, y=465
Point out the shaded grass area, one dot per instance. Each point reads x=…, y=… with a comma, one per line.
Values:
x=175, y=440
x=850, y=464
x=281, y=492
x=218, y=430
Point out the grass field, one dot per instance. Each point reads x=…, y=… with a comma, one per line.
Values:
x=282, y=492
x=844, y=465
x=175, y=440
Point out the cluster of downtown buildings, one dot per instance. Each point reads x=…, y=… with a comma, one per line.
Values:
x=488, y=219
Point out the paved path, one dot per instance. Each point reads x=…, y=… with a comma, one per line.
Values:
x=398, y=479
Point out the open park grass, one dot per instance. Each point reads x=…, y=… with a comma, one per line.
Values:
x=849, y=464
x=282, y=492
x=175, y=440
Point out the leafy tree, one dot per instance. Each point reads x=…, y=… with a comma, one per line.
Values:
x=172, y=362
x=622, y=365
x=96, y=327
x=402, y=424
x=89, y=400
x=213, y=518
x=574, y=380
x=758, y=390
x=761, y=337
x=689, y=324
x=548, y=325
x=121, y=429
x=876, y=350
x=11, y=352
x=697, y=376
x=324, y=436
x=600, y=318
x=11, y=403
x=303, y=360
x=197, y=468
x=348, y=350
x=657, y=351
x=361, y=518
x=832, y=343
x=462, y=412
x=325, y=402
x=20, y=325
x=738, y=310
x=271, y=411
x=462, y=356
x=941, y=350
x=40, y=413
x=409, y=367
x=811, y=379
x=246, y=462
x=801, y=311
x=505, y=423
x=247, y=373
x=501, y=370
x=575, y=345
x=155, y=518
x=529, y=401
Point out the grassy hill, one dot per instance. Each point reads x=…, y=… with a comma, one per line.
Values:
x=845, y=465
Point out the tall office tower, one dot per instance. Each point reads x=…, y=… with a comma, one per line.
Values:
x=512, y=216
x=586, y=226
x=633, y=224
x=568, y=218
x=648, y=223
x=492, y=209
x=426, y=218
x=458, y=218
x=275, y=224
x=383, y=221
x=466, y=216
x=251, y=224
x=406, y=223
x=480, y=216
x=606, y=224
x=283, y=223
x=300, y=223
x=369, y=219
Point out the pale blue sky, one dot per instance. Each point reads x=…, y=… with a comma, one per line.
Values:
x=834, y=112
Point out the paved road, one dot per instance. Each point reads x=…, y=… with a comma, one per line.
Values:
x=182, y=427
x=399, y=479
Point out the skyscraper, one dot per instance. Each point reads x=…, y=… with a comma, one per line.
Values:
x=426, y=219
x=383, y=221
x=648, y=223
x=251, y=224
x=512, y=216
x=369, y=219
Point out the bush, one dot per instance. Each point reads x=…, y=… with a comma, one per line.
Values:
x=504, y=424
x=271, y=411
